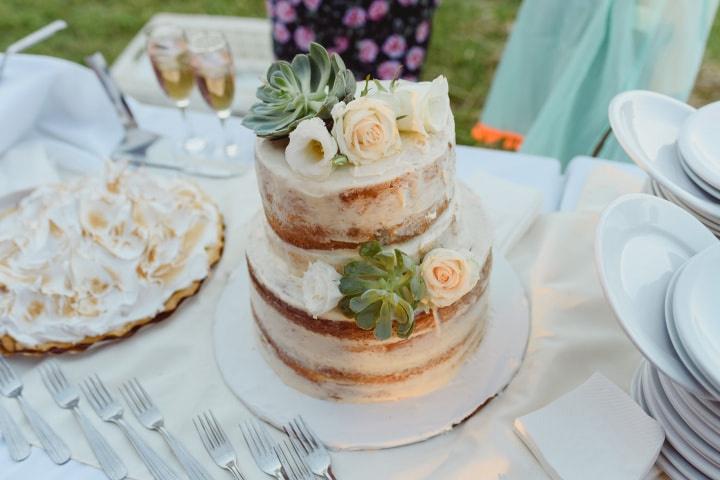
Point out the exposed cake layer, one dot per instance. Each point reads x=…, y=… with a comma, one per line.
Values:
x=334, y=359
x=392, y=200
x=330, y=357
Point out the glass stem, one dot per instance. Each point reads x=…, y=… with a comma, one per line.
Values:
x=187, y=125
x=226, y=134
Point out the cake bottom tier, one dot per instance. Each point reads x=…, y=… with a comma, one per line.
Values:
x=331, y=358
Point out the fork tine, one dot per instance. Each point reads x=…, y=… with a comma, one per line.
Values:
x=45, y=376
x=48, y=370
x=265, y=437
x=250, y=439
x=201, y=433
x=214, y=439
x=104, y=389
x=90, y=395
x=141, y=393
x=304, y=470
x=295, y=434
x=129, y=399
x=95, y=390
x=309, y=433
x=288, y=464
x=59, y=373
x=221, y=435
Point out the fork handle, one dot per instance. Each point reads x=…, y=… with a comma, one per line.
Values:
x=50, y=441
x=192, y=467
x=109, y=461
x=17, y=444
x=156, y=465
x=233, y=468
x=329, y=475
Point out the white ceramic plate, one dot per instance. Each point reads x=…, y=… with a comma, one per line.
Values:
x=640, y=242
x=712, y=191
x=712, y=224
x=696, y=423
x=676, y=431
x=696, y=307
x=699, y=143
x=647, y=124
x=709, y=411
x=710, y=392
x=365, y=426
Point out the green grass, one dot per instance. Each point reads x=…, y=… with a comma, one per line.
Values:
x=467, y=42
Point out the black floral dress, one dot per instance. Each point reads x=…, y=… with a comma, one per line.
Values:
x=373, y=37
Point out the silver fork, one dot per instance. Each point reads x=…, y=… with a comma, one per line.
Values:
x=316, y=455
x=17, y=444
x=149, y=415
x=293, y=465
x=109, y=410
x=67, y=396
x=262, y=448
x=11, y=387
x=217, y=444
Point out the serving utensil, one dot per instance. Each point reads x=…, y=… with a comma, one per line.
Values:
x=150, y=417
x=316, y=455
x=110, y=410
x=67, y=396
x=12, y=387
x=262, y=448
x=293, y=464
x=217, y=444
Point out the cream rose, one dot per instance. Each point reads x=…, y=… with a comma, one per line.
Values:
x=448, y=275
x=365, y=130
x=311, y=149
x=321, y=288
x=435, y=105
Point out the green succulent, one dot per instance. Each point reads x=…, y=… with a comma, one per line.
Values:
x=383, y=288
x=308, y=87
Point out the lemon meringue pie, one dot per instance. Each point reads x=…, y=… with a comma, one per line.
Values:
x=96, y=258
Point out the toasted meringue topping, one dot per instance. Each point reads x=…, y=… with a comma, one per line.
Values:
x=84, y=257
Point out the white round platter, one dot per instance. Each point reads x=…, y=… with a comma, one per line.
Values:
x=365, y=426
x=692, y=370
x=647, y=124
x=697, y=310
x=640, y=242
x=696, y=423
x=698, y=143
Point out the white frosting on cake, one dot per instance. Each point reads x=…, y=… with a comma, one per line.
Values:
x=83, y=258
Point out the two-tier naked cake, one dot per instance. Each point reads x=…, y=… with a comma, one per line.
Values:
x=369, y=266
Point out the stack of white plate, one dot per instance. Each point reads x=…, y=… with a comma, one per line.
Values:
x=678, y=148
x=660, y=269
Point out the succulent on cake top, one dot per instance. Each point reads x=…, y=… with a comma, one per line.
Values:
x=383, y=289
x=314, y=102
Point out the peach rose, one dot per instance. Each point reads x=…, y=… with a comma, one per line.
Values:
x=365, y=130
x=448, y=275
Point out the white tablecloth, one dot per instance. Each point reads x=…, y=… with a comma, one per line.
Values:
x=573, y=335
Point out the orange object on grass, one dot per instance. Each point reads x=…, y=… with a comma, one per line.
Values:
x=493, y=136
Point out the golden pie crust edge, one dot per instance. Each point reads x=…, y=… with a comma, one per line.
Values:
x=10, y=346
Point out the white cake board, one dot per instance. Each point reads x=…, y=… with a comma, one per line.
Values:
x=365, y=426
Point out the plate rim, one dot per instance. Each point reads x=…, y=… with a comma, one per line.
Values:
x=688, y=150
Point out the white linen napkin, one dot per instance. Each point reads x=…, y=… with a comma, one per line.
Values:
x=25, y=166
x=512, y=208
x=594, y=432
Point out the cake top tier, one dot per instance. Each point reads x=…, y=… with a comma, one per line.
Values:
x=337, y=132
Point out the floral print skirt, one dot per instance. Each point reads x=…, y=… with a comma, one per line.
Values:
x=373, y=37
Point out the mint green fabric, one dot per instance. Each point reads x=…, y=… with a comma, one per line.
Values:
x=566, y=59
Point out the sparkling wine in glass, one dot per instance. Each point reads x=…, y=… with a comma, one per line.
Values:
x=215, y=73
x=167, y=48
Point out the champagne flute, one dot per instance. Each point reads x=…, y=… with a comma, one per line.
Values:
x=167, y=48
x=215, y=73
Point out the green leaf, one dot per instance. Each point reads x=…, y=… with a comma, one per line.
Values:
x=380, y=86
x=370, y=249
x=386, y=259
x=367, y=86
x=367, y=318
x=360, y=268
x=352, y=286
x=383, y=326
x=344, y=306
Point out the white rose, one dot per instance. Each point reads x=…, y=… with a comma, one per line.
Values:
x=366, y=130
x=320, y=285
x=448, y=275
x=311, y=149
x=435, y=105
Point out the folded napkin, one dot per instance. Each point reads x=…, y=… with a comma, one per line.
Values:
x=593, y=432
x=25, y=166
x=512, y=208
x=61, y=104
